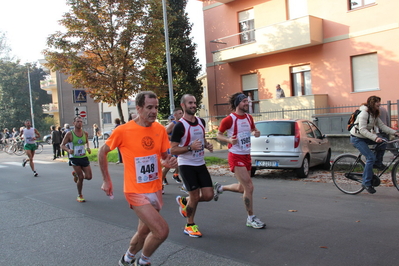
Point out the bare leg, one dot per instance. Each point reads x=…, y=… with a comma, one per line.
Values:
x=245, y=186
x=152, y=230
x=196, y=196
x=30, y=155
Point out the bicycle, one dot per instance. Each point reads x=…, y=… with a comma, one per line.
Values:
x=347, y=170
x=17, y=147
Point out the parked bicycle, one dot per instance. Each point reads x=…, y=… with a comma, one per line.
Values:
x=347, y=171
x=17, y=147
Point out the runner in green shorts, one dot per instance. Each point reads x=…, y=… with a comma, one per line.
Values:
x=30, y=135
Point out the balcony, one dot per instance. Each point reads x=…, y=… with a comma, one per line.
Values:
x=224, y=1
x=280, y=37
x=48, y=84
x=50, y=108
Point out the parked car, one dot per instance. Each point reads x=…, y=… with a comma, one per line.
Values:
x=289, y=144
x=47, y=139
x=107, y=134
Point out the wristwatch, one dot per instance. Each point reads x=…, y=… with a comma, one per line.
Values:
x=189, y=148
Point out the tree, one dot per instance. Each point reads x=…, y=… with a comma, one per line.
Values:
x=14, y=95
x=102, y=50
x=185, y=65
x=4, y=48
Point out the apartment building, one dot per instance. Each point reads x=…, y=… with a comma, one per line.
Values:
x=68, y=102
x=322, y=53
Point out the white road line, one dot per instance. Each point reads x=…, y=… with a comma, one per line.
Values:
x=20, y=163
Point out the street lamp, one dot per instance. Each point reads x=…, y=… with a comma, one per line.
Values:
x=168, y=64
x=30, y=96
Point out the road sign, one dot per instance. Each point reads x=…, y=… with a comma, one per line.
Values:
x=79, y=96
x=81, y=111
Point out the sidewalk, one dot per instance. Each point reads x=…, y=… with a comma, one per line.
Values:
x=223, y=154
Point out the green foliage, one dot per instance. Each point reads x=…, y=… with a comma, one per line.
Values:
x=210, y=160
x=112, y=156
x=14, y=95
x=102, y=50
x=185, y=65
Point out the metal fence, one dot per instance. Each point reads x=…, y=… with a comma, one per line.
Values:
x=310, y=114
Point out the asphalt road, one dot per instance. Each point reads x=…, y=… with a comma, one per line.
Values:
x=307, y=223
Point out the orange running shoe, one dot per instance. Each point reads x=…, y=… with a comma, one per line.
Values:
x=182, y=206
x=192, y=231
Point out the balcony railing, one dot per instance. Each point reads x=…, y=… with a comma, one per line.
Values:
x=280, y=37
x=50, y=108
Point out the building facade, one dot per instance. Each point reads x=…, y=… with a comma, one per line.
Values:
x=321, y=53
x=68, y=102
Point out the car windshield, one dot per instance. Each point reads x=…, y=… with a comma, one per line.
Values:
x=276, y=128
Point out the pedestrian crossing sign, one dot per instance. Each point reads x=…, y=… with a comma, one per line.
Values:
x=79, y=96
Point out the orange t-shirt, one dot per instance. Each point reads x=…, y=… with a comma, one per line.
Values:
x=141, y=149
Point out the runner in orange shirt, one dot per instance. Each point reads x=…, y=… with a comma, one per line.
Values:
x=143, y=144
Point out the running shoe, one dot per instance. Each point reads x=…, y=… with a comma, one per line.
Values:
x=80, y=199
x=137, y=263
x=163, y=190
x=165, y=182
x=183, y=189
x=75, y=177
x=182, y=206
x=192, y=231
x=217, y=192
x=35, y=173
x=177, y=178
x=255, y=223
x=24, y=161
x=122, y=261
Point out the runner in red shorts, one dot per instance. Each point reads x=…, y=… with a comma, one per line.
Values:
x=239, y=126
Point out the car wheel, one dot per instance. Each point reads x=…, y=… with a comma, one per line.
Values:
x=303, y=172
x=106, y=136
x=48, y=141
x=327, y=164
x=253, y=170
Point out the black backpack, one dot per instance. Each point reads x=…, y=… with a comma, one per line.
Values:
x=352, y=119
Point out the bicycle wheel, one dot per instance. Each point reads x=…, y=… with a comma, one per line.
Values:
x=19, y=149
x=347, y=176
x=39, y=148
x=9, y=148
x=395, y=175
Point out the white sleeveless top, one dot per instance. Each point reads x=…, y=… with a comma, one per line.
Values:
x=29, y=135
x=242, y=129
x=192, y=133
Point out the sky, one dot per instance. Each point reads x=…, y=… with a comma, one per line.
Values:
x=28, y=23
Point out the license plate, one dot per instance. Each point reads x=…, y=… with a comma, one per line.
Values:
x=267, y=163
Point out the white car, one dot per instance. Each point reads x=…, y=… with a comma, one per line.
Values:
x=289, y=144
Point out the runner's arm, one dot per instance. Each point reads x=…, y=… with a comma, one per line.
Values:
x=103, y=162
x=37, y=134
x=87, y=142
x=66, y=139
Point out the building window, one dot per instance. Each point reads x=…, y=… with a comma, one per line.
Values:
x=354, y=4
x=297, y=8
x=246, y=26
x=301, y=80
x=365, y=72
x=107, y=118
x=250, y=88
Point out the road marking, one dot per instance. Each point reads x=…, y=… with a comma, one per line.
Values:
x=20, y=163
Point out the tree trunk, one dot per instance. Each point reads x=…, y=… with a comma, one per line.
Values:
x=119, y=105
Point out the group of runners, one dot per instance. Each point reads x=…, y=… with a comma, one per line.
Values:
x=148, y=149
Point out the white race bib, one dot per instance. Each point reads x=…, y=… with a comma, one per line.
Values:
x=146, y=168
x=244, y=140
